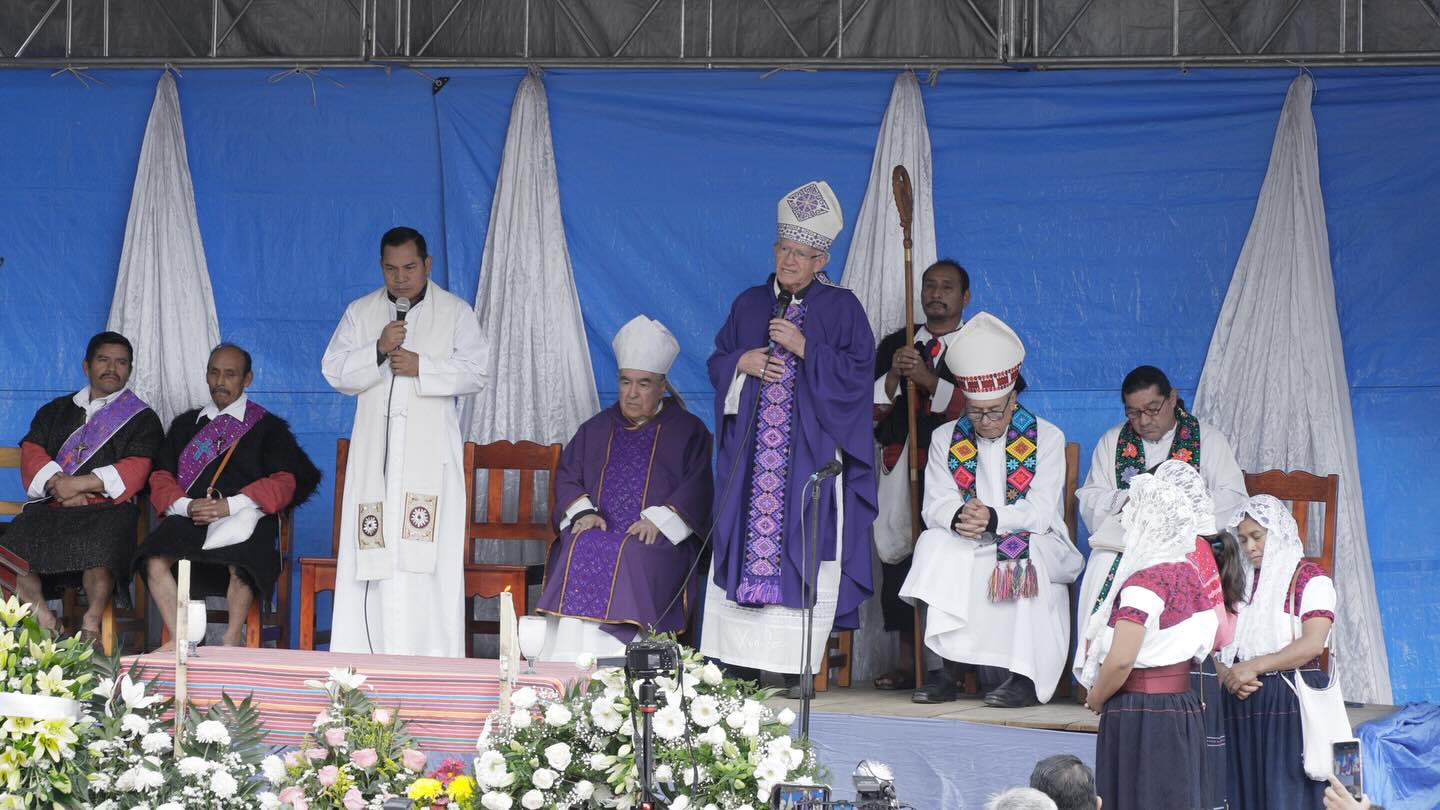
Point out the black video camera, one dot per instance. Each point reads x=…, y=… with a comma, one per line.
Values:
x=646, y=660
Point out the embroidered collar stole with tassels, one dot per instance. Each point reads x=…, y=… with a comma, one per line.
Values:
x=1013, y=577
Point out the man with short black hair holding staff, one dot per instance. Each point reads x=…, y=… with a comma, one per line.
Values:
x=405, y=351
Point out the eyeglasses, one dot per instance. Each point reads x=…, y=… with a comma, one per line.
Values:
x=1152, y=412
x=782, y=252
x=988, y=415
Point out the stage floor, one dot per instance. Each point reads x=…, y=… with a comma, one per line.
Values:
x=1061, y=714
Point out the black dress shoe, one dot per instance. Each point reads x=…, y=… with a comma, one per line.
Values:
x=796, y=687
x=940, y=687
x=1016, y=692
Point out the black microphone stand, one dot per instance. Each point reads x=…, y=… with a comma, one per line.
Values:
x=809, y=586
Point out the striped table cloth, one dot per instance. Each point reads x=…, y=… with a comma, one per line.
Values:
x=443, y=700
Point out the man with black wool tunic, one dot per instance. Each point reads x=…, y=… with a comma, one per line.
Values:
x=223, y=476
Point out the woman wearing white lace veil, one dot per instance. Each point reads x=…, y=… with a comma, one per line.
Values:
x=1140, y=646
x=1283, y=625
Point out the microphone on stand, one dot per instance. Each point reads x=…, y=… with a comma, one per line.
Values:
x=830, y=470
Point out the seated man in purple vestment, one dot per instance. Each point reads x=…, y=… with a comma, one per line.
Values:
x=83, y=463
x=793, y=373
x=634, y=487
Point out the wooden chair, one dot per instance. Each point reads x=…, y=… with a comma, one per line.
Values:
x=317, y=574
x=488, y=580
x=129, y=621
x=971, y=683
x=1301, y=489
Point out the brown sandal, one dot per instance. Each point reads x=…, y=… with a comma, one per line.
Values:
x=895, y=681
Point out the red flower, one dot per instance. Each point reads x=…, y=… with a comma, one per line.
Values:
x=1130, y=451
x=1184, y=455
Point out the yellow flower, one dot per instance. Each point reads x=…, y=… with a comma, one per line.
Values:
x=56, y=738
x=425, y=790
x=12, y=610
x=53, y=682
x=460, y=788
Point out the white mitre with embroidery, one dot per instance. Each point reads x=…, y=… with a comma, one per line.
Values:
x=810, y=215
x=645, y=344
x=985, y=357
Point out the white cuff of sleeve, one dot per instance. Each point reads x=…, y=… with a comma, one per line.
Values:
x=37, y=484
x=944, y=389
x=881, y=397
x=669, y=522
x=732, y=396
x=110, y=477
x=180, y=508
x=580, y=505
x=1118, y=500
x=241, y=501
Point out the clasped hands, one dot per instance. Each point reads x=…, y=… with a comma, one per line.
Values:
x=205, y=511
x=643, y=529
x=760, y=363
x=1241, y=680
x=403, y=362
x=70, y=490
x=972, y=519
x=907, y=363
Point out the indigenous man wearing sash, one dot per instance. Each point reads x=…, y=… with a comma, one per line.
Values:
x=944, y=294
x=634, y=488
x=993, y=566
x=83, y=462
x=222, y=477
x=793, y=373
x=405, y=352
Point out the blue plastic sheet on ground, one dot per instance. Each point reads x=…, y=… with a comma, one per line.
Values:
x=1401, y=758
x=1100, y=212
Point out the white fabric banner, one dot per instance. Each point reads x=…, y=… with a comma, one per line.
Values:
x=163, y=302
x=874, y=270
x=1274, y=379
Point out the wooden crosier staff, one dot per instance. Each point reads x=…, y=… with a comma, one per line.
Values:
x=904, y=206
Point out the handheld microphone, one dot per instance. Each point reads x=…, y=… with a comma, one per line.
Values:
x=782, y=303
x=830, y=470
x=402, y=308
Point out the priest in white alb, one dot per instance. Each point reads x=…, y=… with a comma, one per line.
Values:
x=1157, y=427
x=634, y=488
x=405, y=352
x=993, y=564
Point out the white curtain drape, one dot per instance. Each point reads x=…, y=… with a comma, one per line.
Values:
x=1274, y=379
x=874, y=270
x=163, y=302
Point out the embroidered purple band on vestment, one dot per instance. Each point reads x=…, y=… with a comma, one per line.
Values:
x=91, y=436
x=213, y=440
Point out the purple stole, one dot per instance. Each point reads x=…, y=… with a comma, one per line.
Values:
x=590, y=571
x=214, y=439
x=102, y=427
x=760, y=582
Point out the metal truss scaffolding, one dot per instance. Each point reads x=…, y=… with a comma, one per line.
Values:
x=719, y=33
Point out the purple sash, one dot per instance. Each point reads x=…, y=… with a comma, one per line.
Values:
x=214, y=439
x=590, y=572
x=760, y=582
x=102, y=427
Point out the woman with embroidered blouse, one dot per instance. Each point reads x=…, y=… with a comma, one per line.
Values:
x=1282, y=629
x=1140, y=646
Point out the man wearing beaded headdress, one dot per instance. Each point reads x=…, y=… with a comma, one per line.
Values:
x=83, y=463
x=1157, y=427
x=634, y=491
x=992, y=567
x=792, y=370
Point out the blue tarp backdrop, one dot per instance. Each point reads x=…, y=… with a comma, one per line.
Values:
x=1099, y=212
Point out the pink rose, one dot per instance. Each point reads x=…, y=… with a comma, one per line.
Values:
x=382, y=716
x=365, y=758
x=293, y=759
x=291, y=794
x=316, y=754
x=328, y=775
x=413, y=760
x=353, y=800
x=335, y=737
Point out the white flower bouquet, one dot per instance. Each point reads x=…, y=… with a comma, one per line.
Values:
x=716, y=745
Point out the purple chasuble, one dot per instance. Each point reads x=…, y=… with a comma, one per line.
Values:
x=831, y=412
x=213, y=440
x=93, y=435
x=602, y=574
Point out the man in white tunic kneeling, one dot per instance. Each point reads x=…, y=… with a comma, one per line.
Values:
x=993, y=564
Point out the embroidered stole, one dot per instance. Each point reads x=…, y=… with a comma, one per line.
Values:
x=219, y=435
x=83, y=443
x=1014, y=576
x=760, y=581
x=1130, y=462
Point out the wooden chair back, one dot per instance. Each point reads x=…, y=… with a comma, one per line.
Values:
x=10, y=457
x=11, y=566
x=342, y=459
x=1072, y=481
x=1300, y=489
x=526, y=458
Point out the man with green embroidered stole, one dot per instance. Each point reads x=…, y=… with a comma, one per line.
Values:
x=992, y=566
x=1157, y=427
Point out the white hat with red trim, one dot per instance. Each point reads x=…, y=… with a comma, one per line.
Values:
x=985, y=357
